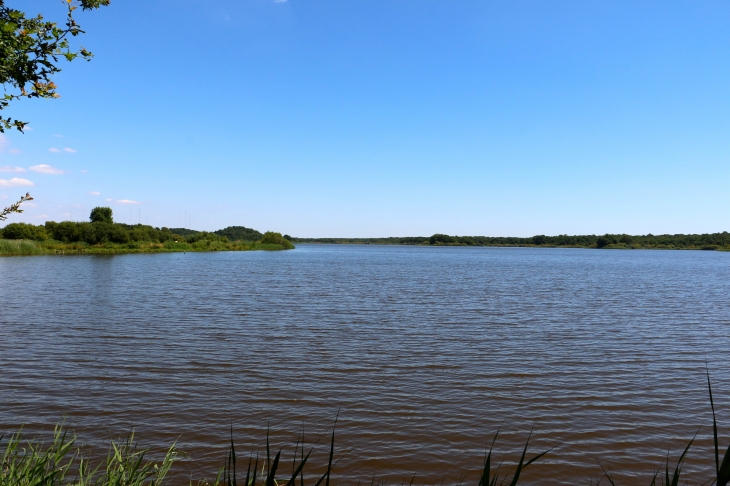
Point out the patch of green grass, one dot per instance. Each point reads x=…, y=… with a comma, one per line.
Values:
x=20, y=247
x=31, y=462
x=51, y=247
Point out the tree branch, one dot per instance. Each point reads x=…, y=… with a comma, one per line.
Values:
x=15, y=208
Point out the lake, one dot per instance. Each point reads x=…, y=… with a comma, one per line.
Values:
x=424, y=351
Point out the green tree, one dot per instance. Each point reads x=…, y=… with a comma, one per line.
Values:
x=101, y=215
x=30, y=50
x=604, y=241
x=235, y=233
x=441, y=239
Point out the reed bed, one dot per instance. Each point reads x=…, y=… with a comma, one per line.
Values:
x=50, y=247
x=32, y=463
x=20, y=247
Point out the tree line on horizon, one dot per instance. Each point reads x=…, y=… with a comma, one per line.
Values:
x=709, y=241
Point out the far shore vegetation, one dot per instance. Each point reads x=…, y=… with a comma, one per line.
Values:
x=712, y=241
x=103, y=235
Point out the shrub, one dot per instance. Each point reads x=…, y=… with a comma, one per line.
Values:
x=23, y=231
x=273, y=238
x=206, y=237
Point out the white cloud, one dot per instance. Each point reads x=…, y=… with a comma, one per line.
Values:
x=58, y=135
x=3, y=196
x=108, y=199
x=15, y=182
x=83, y=171
x=54, y=150
x=47, y=169
x=42, y=216
x=127, y=201
x=9, y=168
x=69, y=150
x=95, y=193
x=14, y=151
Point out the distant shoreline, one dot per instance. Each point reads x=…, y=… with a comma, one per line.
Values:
x=565, y=247
x=710, y=241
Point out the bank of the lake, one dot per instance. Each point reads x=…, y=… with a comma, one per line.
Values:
x=49, y=247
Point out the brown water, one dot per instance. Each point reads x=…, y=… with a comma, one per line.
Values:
x=424, y=351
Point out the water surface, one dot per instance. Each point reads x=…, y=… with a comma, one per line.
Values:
x=424, y=352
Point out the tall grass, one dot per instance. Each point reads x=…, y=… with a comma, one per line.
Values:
x=31, y=463
x=29, y=247
x=20, y=247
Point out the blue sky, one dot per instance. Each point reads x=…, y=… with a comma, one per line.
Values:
x=387, y=117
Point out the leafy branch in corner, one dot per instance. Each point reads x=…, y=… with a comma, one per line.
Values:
x=15, y=208
x=30, y=49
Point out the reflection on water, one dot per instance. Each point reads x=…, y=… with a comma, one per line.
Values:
x=425, y=352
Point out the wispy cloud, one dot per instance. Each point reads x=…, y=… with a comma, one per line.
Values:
x=15, y=182
x=42, y=216
x=95, y=193
x=47, y=169
x=54, y=150
x=108, y=199
x=9, y=168
x=83, y=171
x=58, y=135
x=69, y=150
x=127, y=201
x=5, y=146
